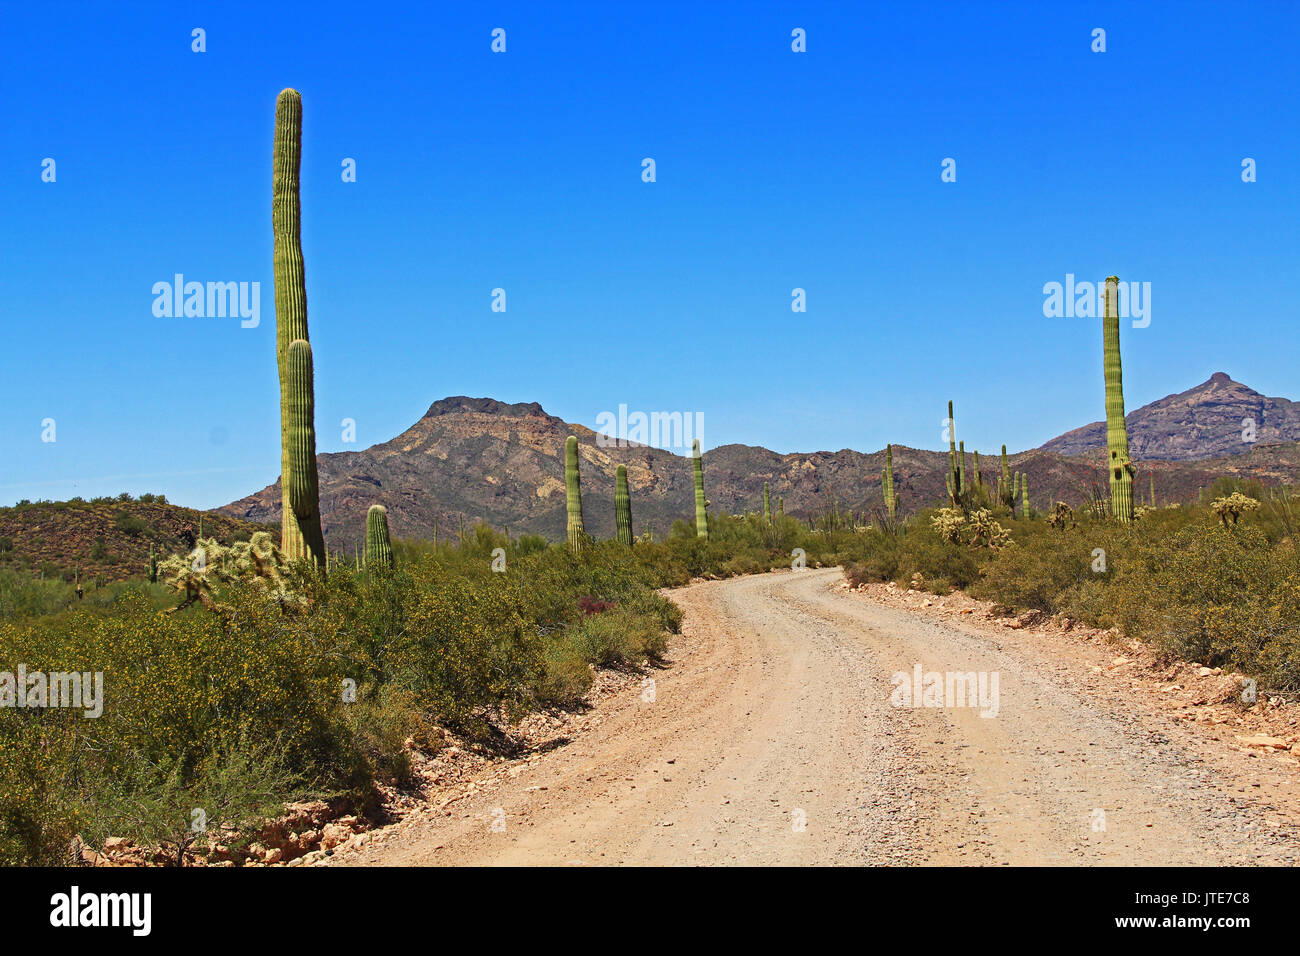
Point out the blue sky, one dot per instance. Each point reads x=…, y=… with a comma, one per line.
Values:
x=775, y=170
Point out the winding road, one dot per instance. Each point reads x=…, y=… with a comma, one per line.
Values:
x=772, y=738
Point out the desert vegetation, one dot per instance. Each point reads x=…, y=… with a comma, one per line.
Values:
x=314, y=686
x=242, y=672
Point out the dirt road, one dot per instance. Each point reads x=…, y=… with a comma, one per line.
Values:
x=772, y=739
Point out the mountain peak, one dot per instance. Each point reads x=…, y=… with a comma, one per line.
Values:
x=460, y=404
x=1216, y=418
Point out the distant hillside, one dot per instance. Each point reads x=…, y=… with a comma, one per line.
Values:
x=503, y=464
x=109, y=537
x=1202, y=422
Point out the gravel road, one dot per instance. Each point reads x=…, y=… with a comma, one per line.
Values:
x=771, y=738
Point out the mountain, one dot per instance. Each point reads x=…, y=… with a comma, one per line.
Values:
x=1202, y=422
x=503, y=464
x=108, y=537
x=485, y=460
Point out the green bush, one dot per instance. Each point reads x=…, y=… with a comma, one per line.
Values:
x=618, y=638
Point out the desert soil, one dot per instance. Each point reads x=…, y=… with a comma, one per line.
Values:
x=769, y=737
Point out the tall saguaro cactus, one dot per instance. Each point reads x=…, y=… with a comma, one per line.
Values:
x=622, y=507
x=887, y=484
x=573, y=495
x=767, y=502
x=701, y=503
x=955, y=468
x=1120, y=466
x=379, y=550
x=1006, y=493
x=1024, y=493
x=300, y=535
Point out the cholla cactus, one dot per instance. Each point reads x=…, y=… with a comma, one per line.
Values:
x=701, y=503
x=985, y=532
x=978, y=529
x=622, y=507
x=1120, y=466
x=573, y=495
x=257, y=560
x=379, y=550
x=1233, y=507
x=1061, y=516
x=949, y=523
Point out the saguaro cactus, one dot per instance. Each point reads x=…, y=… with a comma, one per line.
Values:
x=1120, y=466
x=379, y=551
x=979, y=478
x=767, y=503
x=954, y=464
x=573, y=493
x=1024, y=493
x=1006, y=493
x=887, y=484
x=780, y=505
x=701, y=503
x=303, y=511
x=622, y=507
x=300, y=536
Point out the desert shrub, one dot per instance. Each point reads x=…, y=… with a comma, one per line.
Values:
x=566, y=676
x=618, y=638
x=1041, y=573
x=381, y=720
x=130, y=524
x=942, y=565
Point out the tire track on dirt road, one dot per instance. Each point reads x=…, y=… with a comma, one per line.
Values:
x=771, y=739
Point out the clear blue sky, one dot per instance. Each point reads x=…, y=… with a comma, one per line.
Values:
x=522, y=170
